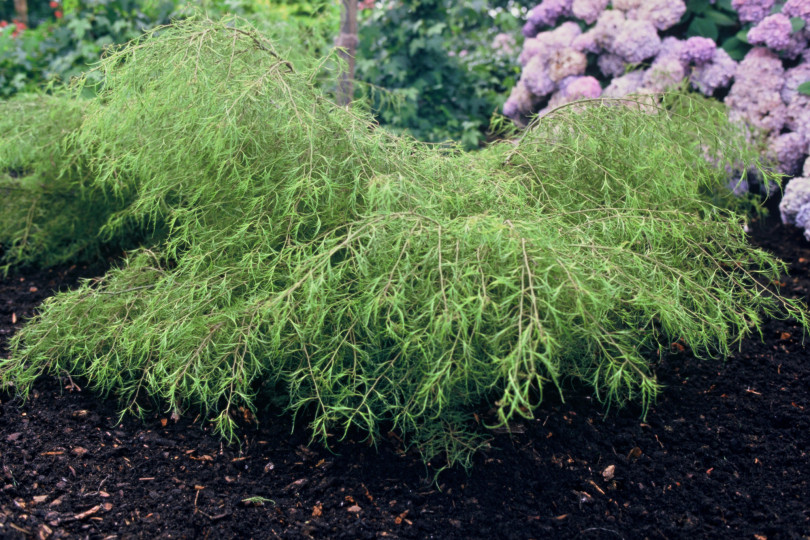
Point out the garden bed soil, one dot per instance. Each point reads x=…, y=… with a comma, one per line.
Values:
x=722, y=454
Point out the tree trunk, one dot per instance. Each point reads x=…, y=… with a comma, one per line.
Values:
x=347, y=42
x=21, y=7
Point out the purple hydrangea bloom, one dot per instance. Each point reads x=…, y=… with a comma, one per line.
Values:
x=586, y=43
x=626, y=5
x=773, y=32
x=796, y=195
x=797, y=8
x=665, y=73
x=789, y=150
x=536, y=77
x=529, y=30
x=588, y=10
x=793, y=78
x=510, y=107
x=636, y=41
x=531, y=47
x=797, y=45
x=716, y=74
x=582, y=88
x=573, y=89
x=803, y=220
x=670, y=47
x=547, y=12
x=607, y=26
x=664, y=14
x=625, y=85
x=755, y=95
x=520, y=102
x=752, y=10
x=738, y=186
x=566, y=62
x=697, y=50
x=562, y=36
x=611, y=65
x=797, y=115
x=545, y=43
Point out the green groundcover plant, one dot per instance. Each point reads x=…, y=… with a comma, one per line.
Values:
x=302, y=255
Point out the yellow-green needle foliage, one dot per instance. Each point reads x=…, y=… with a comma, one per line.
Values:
x=48, y=212
x=370, y=282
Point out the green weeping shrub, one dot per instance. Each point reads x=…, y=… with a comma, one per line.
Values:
x=49, y=214
x=370, y=282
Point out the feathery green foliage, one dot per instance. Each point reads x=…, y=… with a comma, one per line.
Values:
x=47, y=213
x=369, y=281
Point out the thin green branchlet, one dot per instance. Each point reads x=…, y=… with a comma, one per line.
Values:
x=297, y=252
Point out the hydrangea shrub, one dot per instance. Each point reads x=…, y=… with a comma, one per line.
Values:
x=577, y=49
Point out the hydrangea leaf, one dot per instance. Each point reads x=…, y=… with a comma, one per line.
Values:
x=698, y=6
x=804, y=88
x=701, y=26
x=725, y=5
x=735, y=48
x=720, y=19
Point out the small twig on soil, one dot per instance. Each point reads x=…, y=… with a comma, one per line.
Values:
x=73, y=385
x=603, y=529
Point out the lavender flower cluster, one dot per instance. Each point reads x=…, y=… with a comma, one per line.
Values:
x=632, y=58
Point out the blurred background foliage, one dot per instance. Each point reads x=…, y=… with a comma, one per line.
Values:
x=64, y=38
x=448, y=65
x=436, y=69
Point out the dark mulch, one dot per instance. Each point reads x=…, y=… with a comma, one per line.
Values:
x=724, y=453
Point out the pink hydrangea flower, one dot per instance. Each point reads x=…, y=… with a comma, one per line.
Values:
x=773, y=31
x=752, y=10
